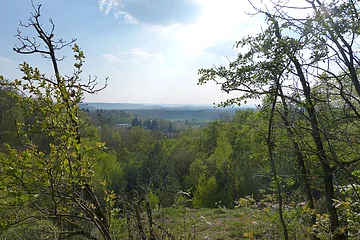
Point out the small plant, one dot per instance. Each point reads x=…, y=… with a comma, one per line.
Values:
x=183, y=199
x=188, y=226
x=246, y=201
x=153, y=200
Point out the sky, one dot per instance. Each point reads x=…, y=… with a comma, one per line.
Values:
x=150, y=50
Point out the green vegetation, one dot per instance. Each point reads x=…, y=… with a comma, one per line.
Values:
x=167, y=121
x=219, y=223
x=287, y=170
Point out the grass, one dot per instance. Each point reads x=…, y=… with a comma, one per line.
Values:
x=217, y=224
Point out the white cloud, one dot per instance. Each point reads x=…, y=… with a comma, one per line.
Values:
x=5, y=60
x=127, y=17
x=107, y=5
x=220, y=21
x=111, y=58
x=163, y=30
x=154, y=12
x=139, y=53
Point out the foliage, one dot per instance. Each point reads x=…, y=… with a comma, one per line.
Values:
x=289, y=167
x=205, y=195
x=317, y=106
x=53, y=180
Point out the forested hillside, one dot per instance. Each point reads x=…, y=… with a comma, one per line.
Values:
x=288, y=169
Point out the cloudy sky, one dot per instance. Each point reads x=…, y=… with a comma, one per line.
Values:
x=150, y=49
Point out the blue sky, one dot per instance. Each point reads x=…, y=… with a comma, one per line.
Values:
x=150, y=49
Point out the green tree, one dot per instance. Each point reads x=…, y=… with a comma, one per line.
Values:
x=55, y=184
x=136, y=122
x=277, y=68
x=10, y=114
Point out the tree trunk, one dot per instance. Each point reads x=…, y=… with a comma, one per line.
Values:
x=320, y=152
x=301, y=163
x=271, y=146
x=316, y=135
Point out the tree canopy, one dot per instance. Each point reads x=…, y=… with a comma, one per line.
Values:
x=286, y=65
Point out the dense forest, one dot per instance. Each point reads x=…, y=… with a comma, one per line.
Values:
x=169, y=120
x=68, y=173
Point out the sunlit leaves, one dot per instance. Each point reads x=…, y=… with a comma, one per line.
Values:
x=64, y=167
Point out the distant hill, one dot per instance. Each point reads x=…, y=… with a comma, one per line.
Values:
x=165, y=111
x=145, y=106
x=117, y=106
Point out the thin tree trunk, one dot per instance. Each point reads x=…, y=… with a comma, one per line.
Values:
x=271, y=146
x=320, y=152
x=301, y=163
